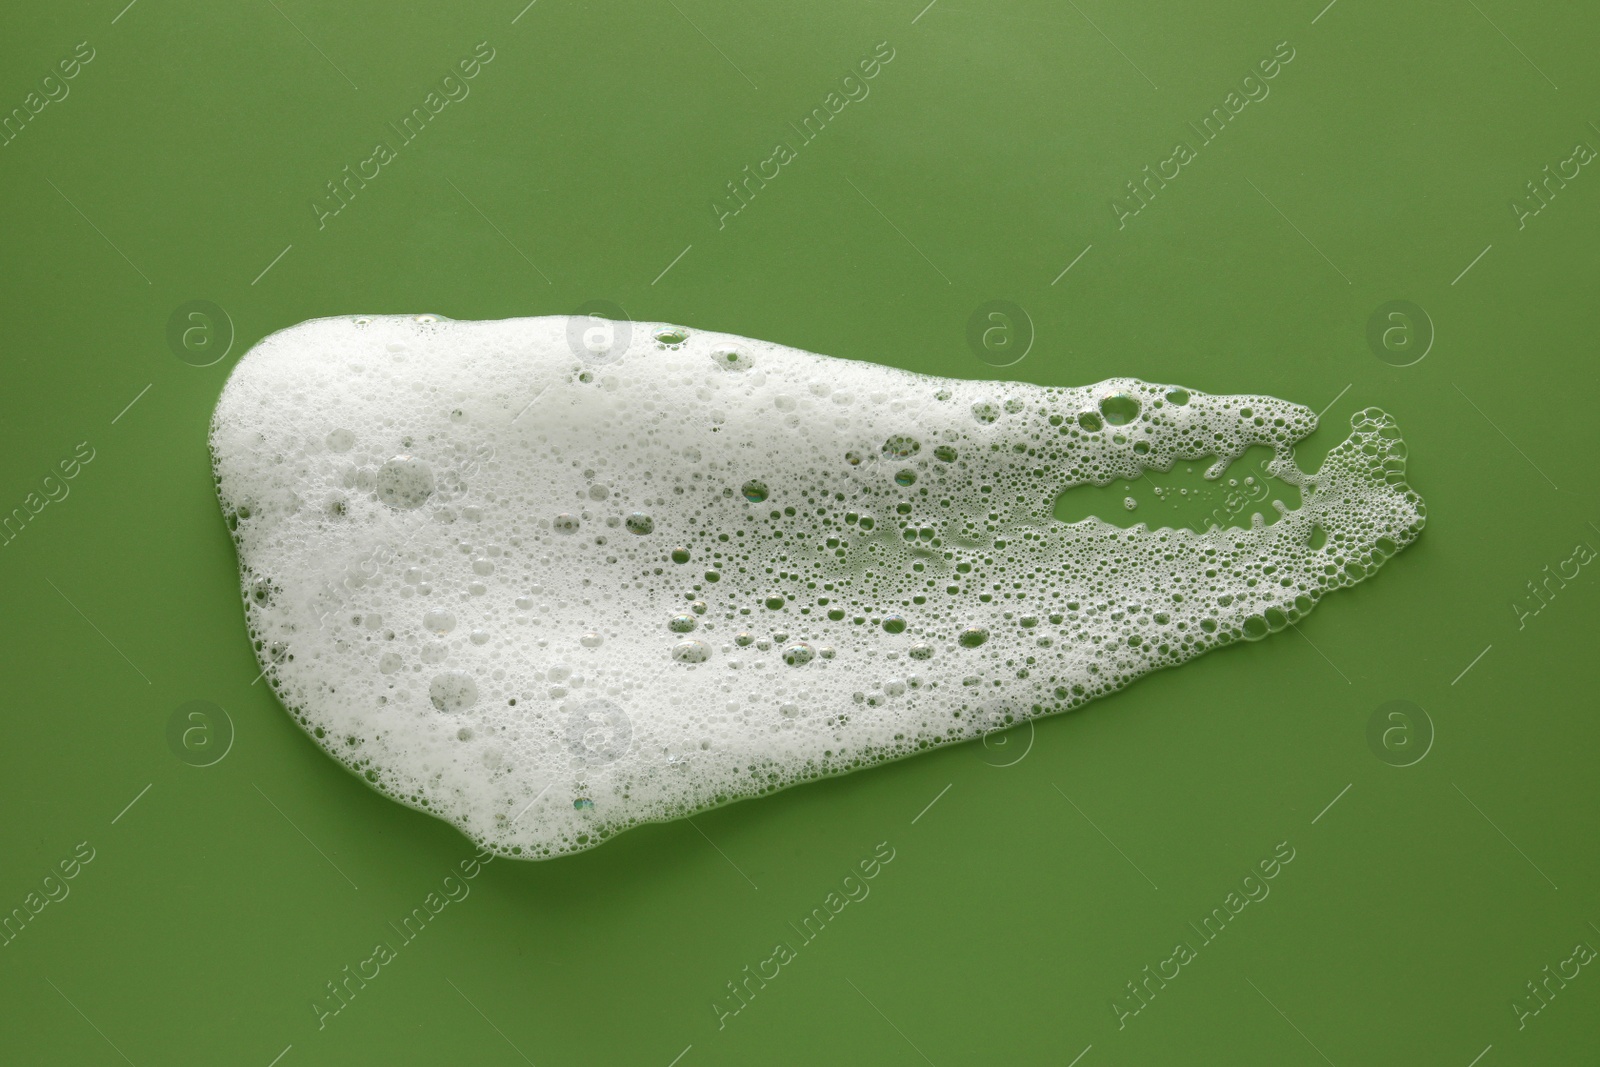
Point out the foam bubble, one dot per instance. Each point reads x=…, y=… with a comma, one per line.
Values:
x=559, y=596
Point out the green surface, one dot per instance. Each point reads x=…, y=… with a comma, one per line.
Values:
x=186, y=157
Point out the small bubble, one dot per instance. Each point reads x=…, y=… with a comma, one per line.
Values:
x=439, y=621
x=798, y=654
x=905, y=478
x=731, y=357
x=682, y=623
x=691, y=652
x=920, y=651
x=985, y=412
x=598, y=731
x=341, y=440
x=452, y=691
x=565, y=524
x=583, y=804
x=894, y=624
x=755, y=491
x=591, y=640
x=680, y=555
x=973, y=636
x=944, y=454
x=640, y=523
x=404, y=482
x=671, y=336
x=1129, y=503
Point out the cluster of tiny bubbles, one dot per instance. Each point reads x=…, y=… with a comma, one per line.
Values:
x=902, y=446
x=659, y=589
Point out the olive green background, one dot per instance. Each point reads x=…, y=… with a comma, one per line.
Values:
x=983, y=163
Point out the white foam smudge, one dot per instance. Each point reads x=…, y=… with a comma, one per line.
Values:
x=549, y=579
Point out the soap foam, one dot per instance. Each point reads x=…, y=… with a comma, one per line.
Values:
x=550, y=578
